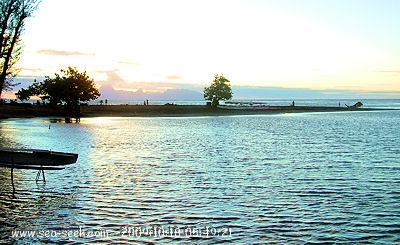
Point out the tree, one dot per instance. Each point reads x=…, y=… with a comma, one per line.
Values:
x=69, y=89
x=220, y=89
x=13, y=14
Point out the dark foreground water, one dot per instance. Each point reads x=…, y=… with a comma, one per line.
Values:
x=290, y=178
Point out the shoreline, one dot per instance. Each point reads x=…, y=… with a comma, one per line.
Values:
x=30, y=111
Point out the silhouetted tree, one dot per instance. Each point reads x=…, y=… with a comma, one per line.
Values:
x=220, y=89
x=69, y=89
x=13, y=14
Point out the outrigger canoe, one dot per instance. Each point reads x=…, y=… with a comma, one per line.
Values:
x=35, y=157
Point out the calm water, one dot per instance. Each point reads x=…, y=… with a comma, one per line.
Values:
x=290, y=178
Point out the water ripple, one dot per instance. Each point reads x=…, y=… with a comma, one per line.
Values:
x=309, y=178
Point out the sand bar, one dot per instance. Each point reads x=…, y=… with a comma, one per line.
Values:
x=28, y=110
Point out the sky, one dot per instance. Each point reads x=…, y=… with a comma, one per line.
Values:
x=350, y=45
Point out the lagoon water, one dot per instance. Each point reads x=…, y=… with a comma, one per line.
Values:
x=272, y=179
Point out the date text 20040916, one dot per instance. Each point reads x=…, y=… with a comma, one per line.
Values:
x=130, y=231
x=162, y=231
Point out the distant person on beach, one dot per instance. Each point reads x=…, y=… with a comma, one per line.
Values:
x=106, y=101
x=147, y=102
x=293, y=103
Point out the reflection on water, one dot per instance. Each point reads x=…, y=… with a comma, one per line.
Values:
x=317, y=177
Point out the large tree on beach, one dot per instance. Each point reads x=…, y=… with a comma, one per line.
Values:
x=13, y=14
x=70, y=89
x=220, y=89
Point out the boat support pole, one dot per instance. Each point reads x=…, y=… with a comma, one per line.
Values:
x=44, y=177
x=41, y=171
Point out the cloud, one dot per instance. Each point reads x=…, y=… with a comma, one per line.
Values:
x=32, y=69
x=129, y=63
x=173, y=77
x=30, y=72
x=63, y=52
x=393, y=72
x=115, y=80
x=390, y=71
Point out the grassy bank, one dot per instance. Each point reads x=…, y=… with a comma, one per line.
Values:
x=28, y=110
x=162, y=110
